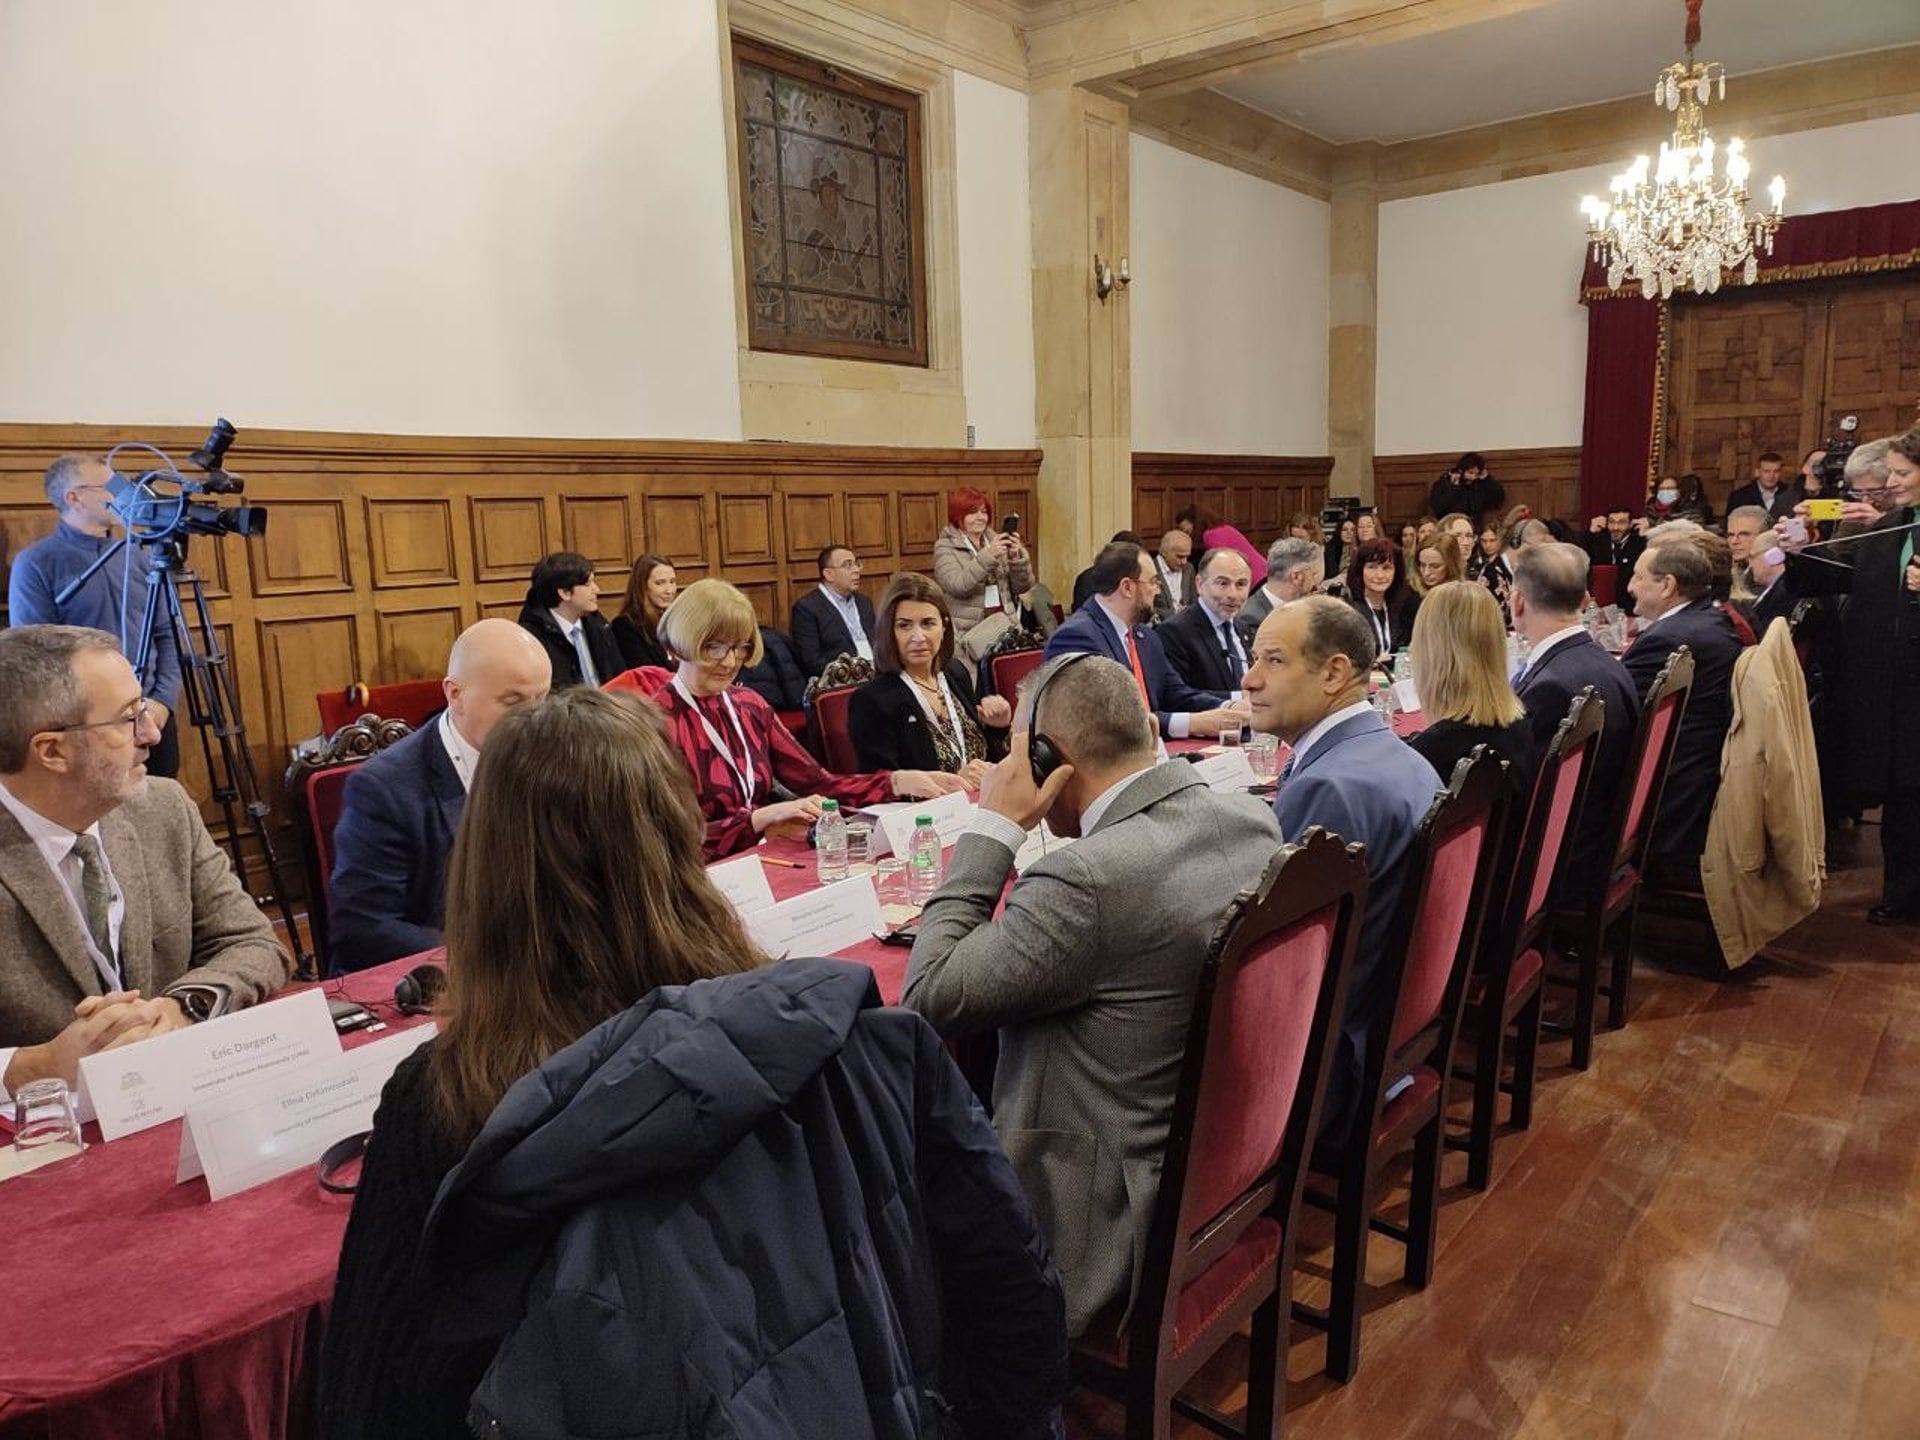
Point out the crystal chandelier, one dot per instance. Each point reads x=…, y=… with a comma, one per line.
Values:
x=1674, y=224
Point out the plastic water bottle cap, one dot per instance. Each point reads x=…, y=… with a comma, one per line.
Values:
x=923, y=820
x=826, y=805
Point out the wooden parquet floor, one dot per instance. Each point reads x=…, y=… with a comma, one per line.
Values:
x=1714, y=1232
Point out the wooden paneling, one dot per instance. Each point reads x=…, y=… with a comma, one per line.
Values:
x=379, y=549
x=1257, y=493
x=1546, y=480
x=1774, y=369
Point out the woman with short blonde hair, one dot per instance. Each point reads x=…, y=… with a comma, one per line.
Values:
x=1460, y=677
x=734, y=743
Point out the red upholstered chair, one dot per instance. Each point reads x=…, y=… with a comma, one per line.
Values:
x=1507, y=989
x=409, y=700
x=1266, y=1023
x=1430, y=950
x=317, y=790
x=794, y=720
x=1603, y=583
x=830, y=711
x=1599, y=916
x=1010, y=670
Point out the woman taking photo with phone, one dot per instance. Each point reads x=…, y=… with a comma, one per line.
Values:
x=981, y=573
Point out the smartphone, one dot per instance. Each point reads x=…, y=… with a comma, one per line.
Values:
x=1010, y=524
x=1825, y=509
x=1793, y=529
x=350, y=1015
x=903, y=937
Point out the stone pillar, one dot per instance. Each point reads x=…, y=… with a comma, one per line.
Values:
x=1083, y=412
x=1353, y=282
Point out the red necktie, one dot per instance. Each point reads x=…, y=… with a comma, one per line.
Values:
x=1139, y=676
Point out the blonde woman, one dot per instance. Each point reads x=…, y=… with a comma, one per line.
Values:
x=1460, y=674
x=1436, y=562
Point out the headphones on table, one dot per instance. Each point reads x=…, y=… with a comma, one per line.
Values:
x=1045, y=756
x=419, y=989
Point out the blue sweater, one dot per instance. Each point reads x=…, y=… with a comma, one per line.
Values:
x=46, y=567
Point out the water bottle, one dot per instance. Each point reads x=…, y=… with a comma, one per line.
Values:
x=923, y=861
x=830, y=842
x=1402, y=666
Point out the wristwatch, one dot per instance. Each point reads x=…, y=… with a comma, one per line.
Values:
x=200, y=1001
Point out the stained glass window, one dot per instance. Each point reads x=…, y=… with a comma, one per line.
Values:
x=830, y=171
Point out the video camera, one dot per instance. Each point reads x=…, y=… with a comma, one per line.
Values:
x=1832, y=468
x=153, y=517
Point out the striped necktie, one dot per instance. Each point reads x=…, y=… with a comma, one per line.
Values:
x=95, y=896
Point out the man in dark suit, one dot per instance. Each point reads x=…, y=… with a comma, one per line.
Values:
x=1295, y=568
x=1113, y=623
x=1307, y=683
x=1467, y=490
x=562, y=612
x=1202, y=642
x=1672, y=587
x=1089, y=970
x=1769, y=488
x=1614, y=540
x=1083, y=582
x=387, y=895
x=833, y=618
x=1549, y=592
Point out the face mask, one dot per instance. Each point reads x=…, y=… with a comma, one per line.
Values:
x=1666, y=497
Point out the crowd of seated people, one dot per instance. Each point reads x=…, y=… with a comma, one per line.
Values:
x=490, y=1150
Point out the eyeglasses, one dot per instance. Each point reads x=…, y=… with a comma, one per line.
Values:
x=136, y=719
x=715, y=652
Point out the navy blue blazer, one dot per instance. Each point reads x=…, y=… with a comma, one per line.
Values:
x=1368, y=787
x=1088, y=631
x=1693, y=779
x=1194, y=648
x=387, y=897
x=819, y=632
x=1547, y=690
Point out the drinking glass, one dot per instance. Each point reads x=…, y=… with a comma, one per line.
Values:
x=1229, y=736
x=859, y=847
x=1263, y=754
x=45, y=1113
x=890, y=881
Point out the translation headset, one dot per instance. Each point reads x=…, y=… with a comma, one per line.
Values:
x=419, y=989
x=1045, y=756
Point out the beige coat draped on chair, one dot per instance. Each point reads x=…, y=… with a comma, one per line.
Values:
x=1766, y=861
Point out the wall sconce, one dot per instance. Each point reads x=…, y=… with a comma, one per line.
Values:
x=1105, y=277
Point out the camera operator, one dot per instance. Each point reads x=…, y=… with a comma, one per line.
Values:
x=76, y=487
x=1467, y=489
x=1879, y=571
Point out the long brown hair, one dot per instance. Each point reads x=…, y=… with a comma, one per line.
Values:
x=575, y=889
x=637, y=607
x=909, y=585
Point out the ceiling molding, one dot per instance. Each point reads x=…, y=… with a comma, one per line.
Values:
x=1773, y=102
x=981, y=37
x=1217, y=128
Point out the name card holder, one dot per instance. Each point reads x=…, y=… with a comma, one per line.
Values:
x=826, y=921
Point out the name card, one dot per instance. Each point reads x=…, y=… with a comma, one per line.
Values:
x=1228, y=771
x=822, y=922
x=139, y=1086
x=951, y=814
x=248, y=1137
x=744, y=882
x=1406, y=699
x=1040, y=841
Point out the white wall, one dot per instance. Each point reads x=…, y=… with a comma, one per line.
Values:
x=996, y=261
x=461, y=216
x=1482, y=339
x=1230, y=305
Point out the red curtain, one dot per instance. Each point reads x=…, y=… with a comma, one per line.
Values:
x=1627, y=341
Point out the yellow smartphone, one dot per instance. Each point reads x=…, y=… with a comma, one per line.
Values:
x=1825, y=509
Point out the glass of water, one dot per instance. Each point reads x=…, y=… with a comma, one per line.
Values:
x=1263, y=754
x=890, y=881
x=859, y=847
x=45, y=1113
x=1230, y=735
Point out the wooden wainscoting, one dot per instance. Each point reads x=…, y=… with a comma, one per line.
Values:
x=381, y=548
x=1258, y=493
x=1547, y=479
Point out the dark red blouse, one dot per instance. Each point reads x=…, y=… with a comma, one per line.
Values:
x=729, y=817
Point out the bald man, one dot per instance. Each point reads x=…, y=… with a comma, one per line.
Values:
x=387, y=897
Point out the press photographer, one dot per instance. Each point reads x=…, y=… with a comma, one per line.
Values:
x=1467, y=489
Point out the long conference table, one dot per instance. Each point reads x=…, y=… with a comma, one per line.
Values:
x=134, y=1306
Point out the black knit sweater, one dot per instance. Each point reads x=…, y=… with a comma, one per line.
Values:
x=379, y=1376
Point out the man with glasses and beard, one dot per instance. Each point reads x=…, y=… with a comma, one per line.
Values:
x=119, y=917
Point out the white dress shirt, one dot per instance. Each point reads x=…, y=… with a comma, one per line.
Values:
x=463, y=755
x=1174, y=582
x=1539, y=652
x=1339, y=717
x=1000, y=828
x=850, y=613
x=1230, y=638
x=55, y=843
x=577, y=637
x=1177, y=726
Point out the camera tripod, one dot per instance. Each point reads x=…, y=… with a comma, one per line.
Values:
x=213, y=709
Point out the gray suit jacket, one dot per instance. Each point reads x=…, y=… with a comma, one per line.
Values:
x=1089, y=975
x=186, y=918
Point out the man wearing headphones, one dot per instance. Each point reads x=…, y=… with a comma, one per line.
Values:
x=1089, y=972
